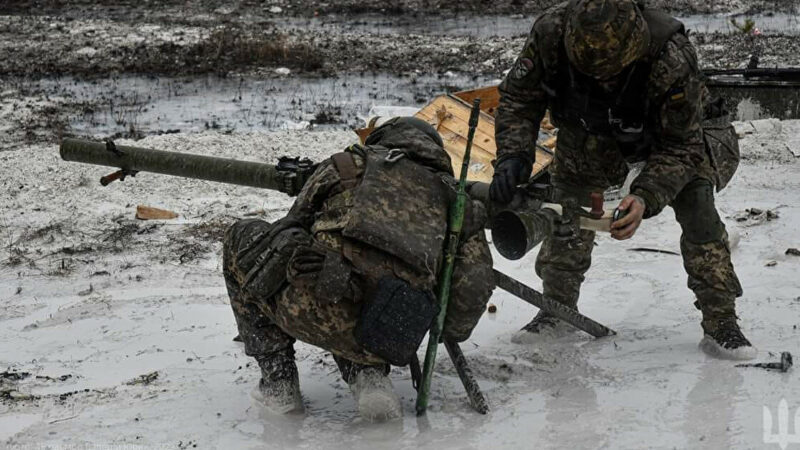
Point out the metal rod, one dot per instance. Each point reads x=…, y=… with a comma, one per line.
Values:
x=535, y=298
x=476, y=398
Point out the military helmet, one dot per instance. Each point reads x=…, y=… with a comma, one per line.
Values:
x=416, y=139
x=602, y=37
x=404, y=122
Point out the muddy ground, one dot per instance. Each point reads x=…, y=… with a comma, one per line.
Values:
x=114, y=328
x=225, y=40
x=211, y=9
x=68, y=67
x=117, y=333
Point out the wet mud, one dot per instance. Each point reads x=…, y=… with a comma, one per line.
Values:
x=117, y=69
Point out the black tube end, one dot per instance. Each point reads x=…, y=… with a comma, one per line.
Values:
x=509, y=235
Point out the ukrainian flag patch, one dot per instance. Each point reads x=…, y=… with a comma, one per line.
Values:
x=676, y=94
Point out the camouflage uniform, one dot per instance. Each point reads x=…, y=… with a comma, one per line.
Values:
x=326, y=317
x=678, y=170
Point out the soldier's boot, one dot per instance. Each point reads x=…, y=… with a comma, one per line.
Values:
x=279, y=387
x=722, y=336
x=374, y=394
x=561, y=265
x=724, y=339
x=372, y=390
x=543, y=325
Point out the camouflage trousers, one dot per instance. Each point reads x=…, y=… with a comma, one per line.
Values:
x=269, y=326
x=562, y=264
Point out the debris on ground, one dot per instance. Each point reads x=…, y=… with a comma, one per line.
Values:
x=145, y=379
x=653, y=250
x=86, y=292
x=14, y=376
x=756, y=216
x=784, y=365
x=150, y=213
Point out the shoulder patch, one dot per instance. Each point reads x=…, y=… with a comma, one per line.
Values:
x=522, y=68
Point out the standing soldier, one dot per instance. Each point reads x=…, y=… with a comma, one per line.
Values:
x=353, y=265
x=623, y=85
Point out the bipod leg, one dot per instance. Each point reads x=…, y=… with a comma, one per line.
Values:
x=476, y=398
x=535, y=298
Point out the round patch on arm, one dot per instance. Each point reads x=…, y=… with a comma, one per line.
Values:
x=522, y=68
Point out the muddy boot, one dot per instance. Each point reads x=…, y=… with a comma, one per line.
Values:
x=279, y=387
x=374, y=395
x=543, y=325
x=723, y=339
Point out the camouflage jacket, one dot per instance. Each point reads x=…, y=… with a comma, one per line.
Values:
x=674, y=90
x=322, y=208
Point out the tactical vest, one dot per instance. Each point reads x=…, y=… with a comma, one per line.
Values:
x=623, y=113
x=389, y=203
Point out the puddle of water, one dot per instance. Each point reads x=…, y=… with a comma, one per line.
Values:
x=159, y=104
x=14, y=423
x=510, y=26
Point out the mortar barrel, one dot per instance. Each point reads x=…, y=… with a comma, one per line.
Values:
x=515, y=233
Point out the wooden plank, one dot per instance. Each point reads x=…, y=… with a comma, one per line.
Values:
x=460, y=118
x=449, y=114
x=456, y=128
x=149, y=213
x=490, y=98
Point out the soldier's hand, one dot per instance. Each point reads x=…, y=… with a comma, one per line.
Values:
x=626, y=227
x=508, y=174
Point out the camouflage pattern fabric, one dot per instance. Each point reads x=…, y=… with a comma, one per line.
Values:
x=705, y=250
x=723, y=144
x=259, y=334
x=674, y=93
x=270, y=324
x=603, y=36
x=678, y=171
x=562, y=264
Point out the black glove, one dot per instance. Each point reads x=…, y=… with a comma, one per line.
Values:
x=509, y=172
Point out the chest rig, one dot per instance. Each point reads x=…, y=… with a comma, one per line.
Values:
x=622, y=111
x=389, y=203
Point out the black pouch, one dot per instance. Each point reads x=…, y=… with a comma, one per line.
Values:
x=394, y=321
x=333, y=281
x=265, y=255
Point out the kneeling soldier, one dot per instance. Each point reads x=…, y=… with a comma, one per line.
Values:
x=353, y=265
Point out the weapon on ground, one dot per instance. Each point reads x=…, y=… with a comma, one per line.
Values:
x=775, y=74
x=535, y=298
x=514, y=231
x=455, y=223
x=288, y=176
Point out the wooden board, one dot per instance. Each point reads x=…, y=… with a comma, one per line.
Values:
x=449, y=115
x=490, y=98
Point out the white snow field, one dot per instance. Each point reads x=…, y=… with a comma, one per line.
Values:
x=117, y=333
